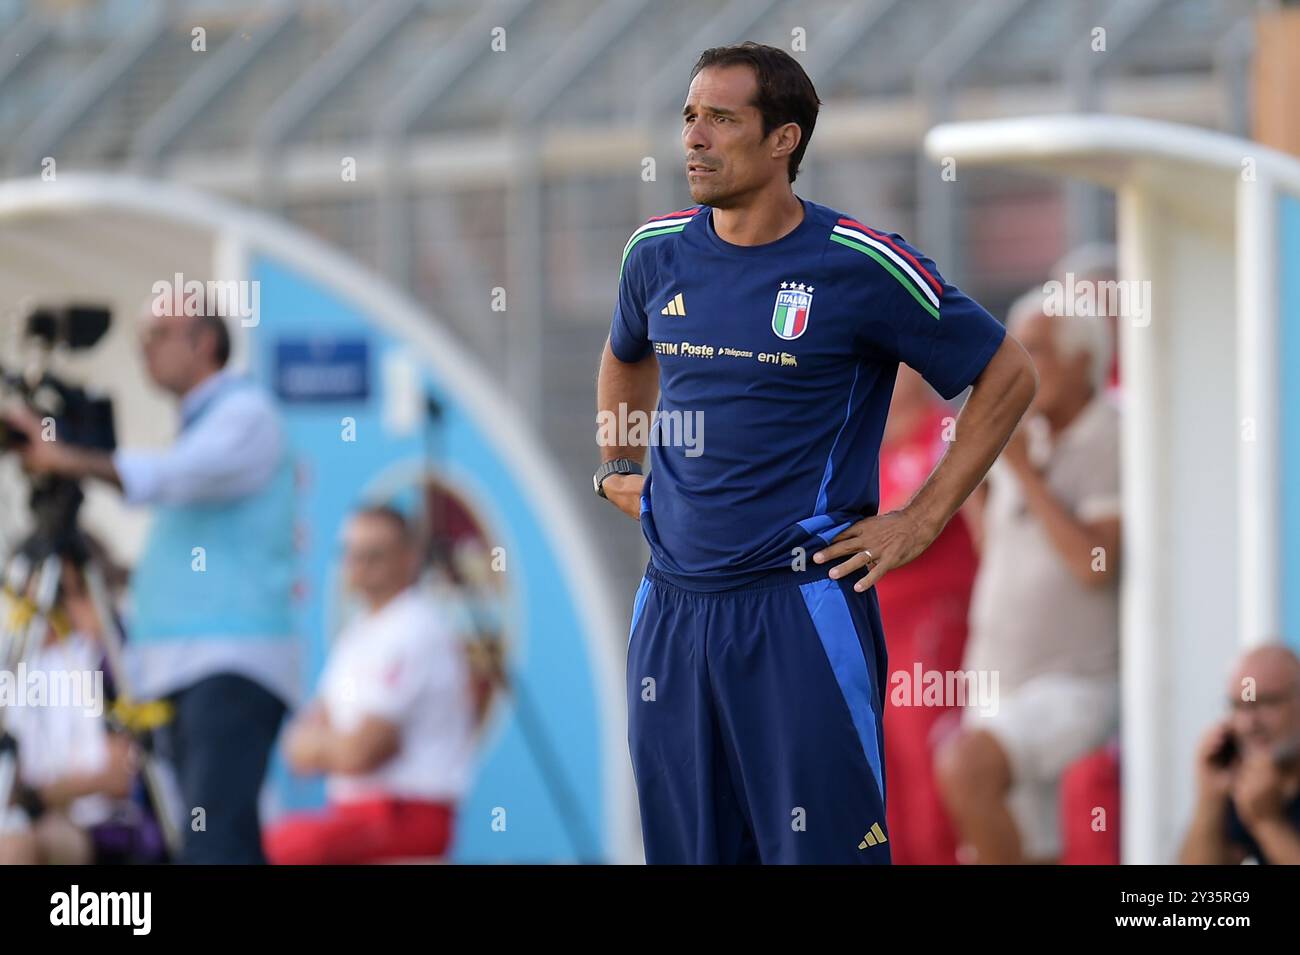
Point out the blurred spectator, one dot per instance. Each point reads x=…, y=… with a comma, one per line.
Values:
x=1248, y=769
x=211, y=625
x=392, y=726
x=923, y=606
x=76, y=777
x=1096, y=263
x=1045, y=612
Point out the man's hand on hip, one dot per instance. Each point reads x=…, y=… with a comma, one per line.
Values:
x=881, y=543
x=624, y=491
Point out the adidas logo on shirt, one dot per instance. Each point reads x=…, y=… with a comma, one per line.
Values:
x=873, y=838
x=676, y=306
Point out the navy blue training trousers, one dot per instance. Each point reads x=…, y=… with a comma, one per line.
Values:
x=755, y=720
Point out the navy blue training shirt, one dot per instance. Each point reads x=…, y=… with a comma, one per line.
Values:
x=787, y=351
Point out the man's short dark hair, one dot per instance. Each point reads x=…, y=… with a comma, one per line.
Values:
x=785, y=93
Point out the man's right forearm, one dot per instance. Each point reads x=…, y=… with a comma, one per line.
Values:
x=622, y=388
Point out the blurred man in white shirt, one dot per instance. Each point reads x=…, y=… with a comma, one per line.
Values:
x=392, y=724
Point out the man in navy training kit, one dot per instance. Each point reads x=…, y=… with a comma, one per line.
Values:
x=756, y=677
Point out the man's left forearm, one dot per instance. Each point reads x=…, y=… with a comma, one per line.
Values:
x=997, y=401
x=883, y=542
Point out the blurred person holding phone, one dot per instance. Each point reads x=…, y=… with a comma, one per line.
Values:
x=210, y=624
x=392, y=724
x=1248, y=769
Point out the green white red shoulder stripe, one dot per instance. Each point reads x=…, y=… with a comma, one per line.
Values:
x=658, y=225
x=896, y=260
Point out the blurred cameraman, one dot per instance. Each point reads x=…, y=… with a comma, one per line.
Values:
x=210, y=594
x=1248, y=769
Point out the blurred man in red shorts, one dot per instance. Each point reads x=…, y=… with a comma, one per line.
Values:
x=924, y=607
x=392, y=725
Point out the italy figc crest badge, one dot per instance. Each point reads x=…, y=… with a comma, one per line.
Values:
x=790, y=315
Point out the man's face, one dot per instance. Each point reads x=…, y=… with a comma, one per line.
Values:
x=171, y=351
x=727, y=155
x=376, y=558
x=1059, y=377
x=1272, y=718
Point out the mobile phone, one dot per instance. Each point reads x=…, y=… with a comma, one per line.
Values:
x=1227, y=752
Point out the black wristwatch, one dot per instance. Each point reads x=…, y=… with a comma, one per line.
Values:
x=616, y=466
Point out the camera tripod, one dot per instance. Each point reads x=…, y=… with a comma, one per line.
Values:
x=31, y=588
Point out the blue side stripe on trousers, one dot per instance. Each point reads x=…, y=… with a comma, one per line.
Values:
x=638, y=605
x=830, y=615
